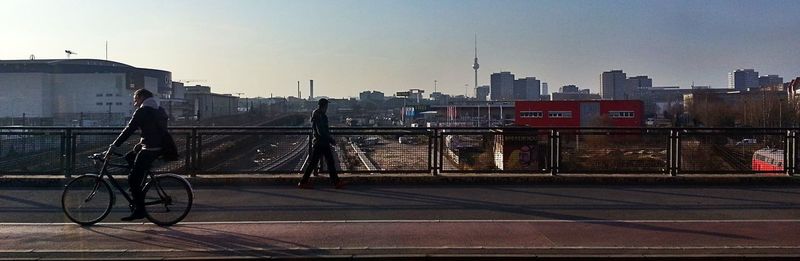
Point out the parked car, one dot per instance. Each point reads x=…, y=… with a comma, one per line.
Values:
x=746, y=142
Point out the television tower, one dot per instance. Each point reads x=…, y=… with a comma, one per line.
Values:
x=475, y=65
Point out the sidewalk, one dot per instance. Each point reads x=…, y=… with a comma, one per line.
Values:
x=469, y=178
x=767, y=239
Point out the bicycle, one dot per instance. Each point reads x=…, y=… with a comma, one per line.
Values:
x=88, y=198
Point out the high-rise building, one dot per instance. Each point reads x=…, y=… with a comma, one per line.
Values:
x=642, y=81
x=635, y=83
x=544, y=89
x=614, y=86
x=501, y=86
x=482, y=92
x=528, y=88
x=769, y=80
x=520, y=89
x=743, y=79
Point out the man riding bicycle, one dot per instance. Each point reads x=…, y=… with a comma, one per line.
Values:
x=151, y=120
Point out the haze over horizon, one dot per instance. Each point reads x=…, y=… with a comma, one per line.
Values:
x=263, y=47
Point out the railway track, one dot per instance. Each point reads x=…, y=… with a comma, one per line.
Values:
x=731, y=157
x=223, y=152
x=45, y=161
x=296, y=150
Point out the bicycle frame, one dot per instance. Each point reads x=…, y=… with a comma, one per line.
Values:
x=149, y=178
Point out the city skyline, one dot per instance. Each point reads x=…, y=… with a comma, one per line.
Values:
x=263, y=47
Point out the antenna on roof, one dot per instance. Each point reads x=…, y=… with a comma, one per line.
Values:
x=69, y=53
x=33, y=57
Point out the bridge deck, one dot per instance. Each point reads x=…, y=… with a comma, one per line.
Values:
x=418, y=237
x=418, y=220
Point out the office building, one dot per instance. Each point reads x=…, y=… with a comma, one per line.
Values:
x=573, y=93
x=482, y=92
x=502, y=86
x=614, y=86
x=208, y=105
x=568, y=89
x=770, y=81
x=528, y=88
x=642, y=81
x=439, y=98
x=743, y=79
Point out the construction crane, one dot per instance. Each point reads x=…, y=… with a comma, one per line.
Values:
x=69, y=53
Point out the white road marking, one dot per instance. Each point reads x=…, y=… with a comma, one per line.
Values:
x=392, y=248
x=431, y=221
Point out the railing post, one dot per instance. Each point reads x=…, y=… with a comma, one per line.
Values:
x=554, y=152
x=190, y=140
x=199, y=153
x=789, y=155
x=72, y=149
x=677, y=152
x=440, y=150
x=432, y=165
x=66, y=137
x=672, y=167
x=195, y=152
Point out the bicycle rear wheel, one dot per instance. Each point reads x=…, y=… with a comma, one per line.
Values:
x=87, y=199
x=168, y=199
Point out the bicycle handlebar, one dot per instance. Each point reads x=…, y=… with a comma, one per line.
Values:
x=105, y=155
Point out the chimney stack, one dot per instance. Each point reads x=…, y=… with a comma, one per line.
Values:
x=311, y=90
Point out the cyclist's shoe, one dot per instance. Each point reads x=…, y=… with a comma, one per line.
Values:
x=306, y=185
x=340, y=184
x=134, y=216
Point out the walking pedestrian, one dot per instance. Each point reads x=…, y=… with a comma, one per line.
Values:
x=320, y=147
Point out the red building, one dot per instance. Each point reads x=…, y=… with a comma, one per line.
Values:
x=589, y=113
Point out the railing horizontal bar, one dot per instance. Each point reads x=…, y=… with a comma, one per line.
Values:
x=253, y=133
x=380, y=133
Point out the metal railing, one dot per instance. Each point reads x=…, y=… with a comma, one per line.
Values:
x=375, y=150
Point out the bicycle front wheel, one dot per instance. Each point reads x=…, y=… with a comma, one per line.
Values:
x=168, y=199
x=87, y=199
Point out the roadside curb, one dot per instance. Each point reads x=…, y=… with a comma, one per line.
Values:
x=417, y=179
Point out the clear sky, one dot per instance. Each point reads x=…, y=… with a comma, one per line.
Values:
x=262, y=47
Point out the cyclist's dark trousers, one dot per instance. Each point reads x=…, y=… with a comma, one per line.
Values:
x=318, y=151
x=140, y=162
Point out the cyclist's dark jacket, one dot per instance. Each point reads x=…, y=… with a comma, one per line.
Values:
x=151, y=120
x=320, y=128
